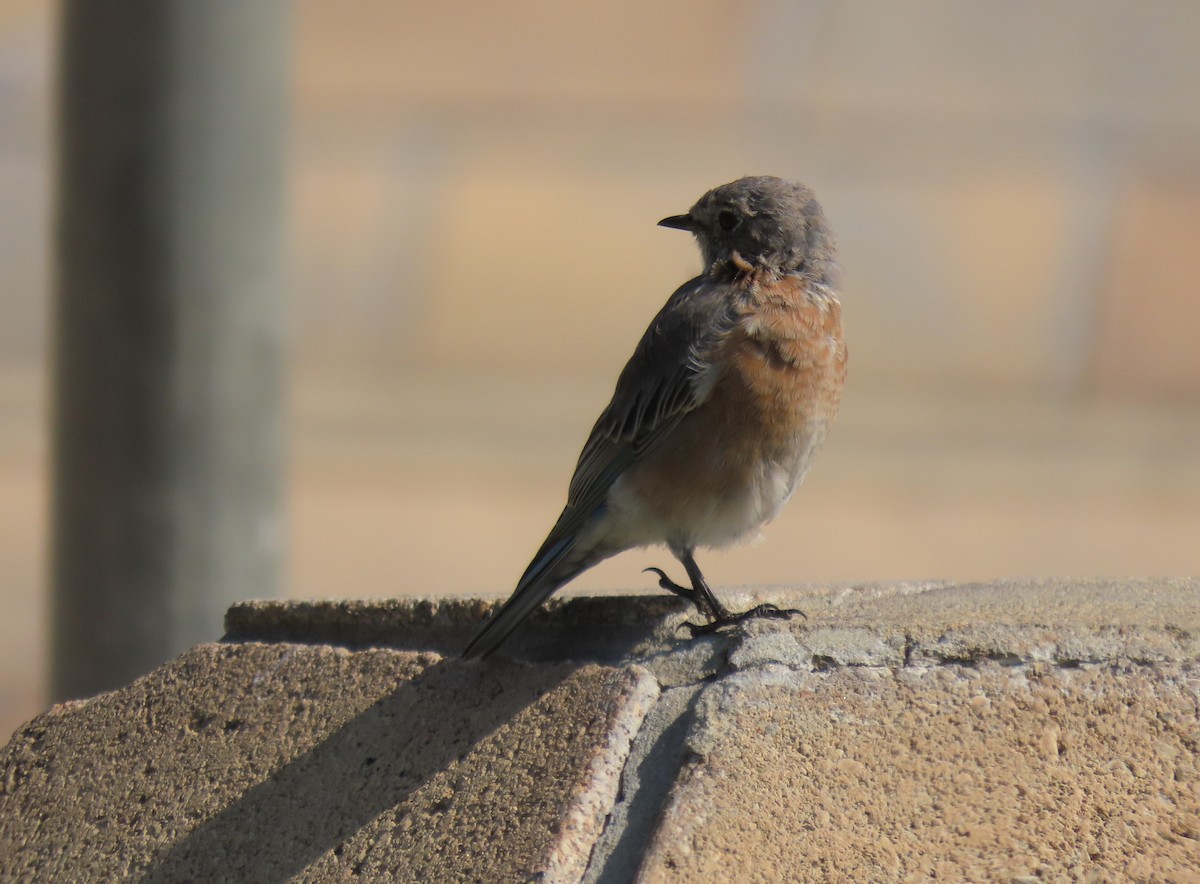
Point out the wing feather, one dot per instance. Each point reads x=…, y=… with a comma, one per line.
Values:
x=669, y=374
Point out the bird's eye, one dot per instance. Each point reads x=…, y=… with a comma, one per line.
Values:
x=728, y=220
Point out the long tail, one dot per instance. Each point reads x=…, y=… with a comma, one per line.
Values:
x=556, y=563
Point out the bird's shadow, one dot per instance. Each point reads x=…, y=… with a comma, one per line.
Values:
x=320, y=798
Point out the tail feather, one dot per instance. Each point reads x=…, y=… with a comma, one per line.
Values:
x=561, y=558
x=544, y=575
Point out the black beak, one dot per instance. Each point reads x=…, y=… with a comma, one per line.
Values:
x=679, y=222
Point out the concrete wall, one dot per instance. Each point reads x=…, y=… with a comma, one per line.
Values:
x=1016, y=731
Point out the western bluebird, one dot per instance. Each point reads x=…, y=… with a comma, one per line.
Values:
x=718, y=414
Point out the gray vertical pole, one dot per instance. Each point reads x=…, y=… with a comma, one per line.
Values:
x=168, y=354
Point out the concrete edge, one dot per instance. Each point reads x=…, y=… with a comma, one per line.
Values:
x=586, y=818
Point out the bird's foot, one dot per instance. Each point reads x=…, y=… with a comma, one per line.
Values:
x=684, y=592
x=759, y=612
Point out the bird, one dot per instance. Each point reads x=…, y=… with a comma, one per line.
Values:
x=717, y=416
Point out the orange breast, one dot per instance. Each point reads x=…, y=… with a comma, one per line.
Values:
x=780, y=382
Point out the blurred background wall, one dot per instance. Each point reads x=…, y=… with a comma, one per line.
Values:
x=473, y=189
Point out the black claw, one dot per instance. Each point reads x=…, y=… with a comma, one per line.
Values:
x=668, y=584
x=765, y=611
x=684, y=593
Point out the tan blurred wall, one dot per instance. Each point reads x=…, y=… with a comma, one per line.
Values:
x=1017, y=186
x=473, y=253
x=997, y=174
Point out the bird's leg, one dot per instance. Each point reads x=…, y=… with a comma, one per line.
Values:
x=698, y=593
x=716, y=610
x=721, y=617
x=682, y=591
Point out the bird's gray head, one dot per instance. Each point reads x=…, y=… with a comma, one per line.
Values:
x=771, y=224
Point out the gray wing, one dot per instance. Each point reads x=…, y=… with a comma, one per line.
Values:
x=668, y=375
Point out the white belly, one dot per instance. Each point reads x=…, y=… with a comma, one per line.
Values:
x=715, y=521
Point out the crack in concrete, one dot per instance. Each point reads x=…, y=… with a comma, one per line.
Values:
x=646, y=784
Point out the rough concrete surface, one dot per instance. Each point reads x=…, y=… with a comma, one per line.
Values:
x=988, y=773
x=1020, y=730
x=261, y=762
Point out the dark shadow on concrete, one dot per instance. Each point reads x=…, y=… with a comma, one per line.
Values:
x=595, y=628
x=321, y=798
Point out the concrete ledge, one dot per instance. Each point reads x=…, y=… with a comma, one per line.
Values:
x=1064, y=622
x=909, y=730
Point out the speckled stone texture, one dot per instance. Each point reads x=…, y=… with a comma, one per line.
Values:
x=956, y=773
x=261, y=762
x=1013, y=731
